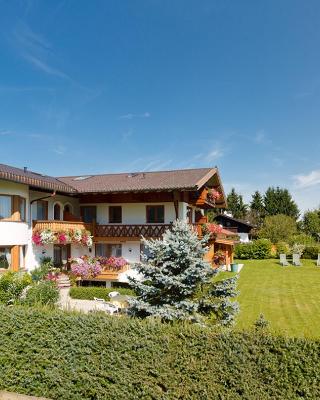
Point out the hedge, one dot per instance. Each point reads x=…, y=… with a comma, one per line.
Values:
x=76, y=356
x=259, y=249
x=89, y=292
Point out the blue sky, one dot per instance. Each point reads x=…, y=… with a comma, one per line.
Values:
x=105, y=86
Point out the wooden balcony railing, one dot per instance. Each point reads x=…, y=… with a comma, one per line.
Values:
x=130, y=230
x=60, y=226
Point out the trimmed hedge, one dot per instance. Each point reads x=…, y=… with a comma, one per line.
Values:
x=259, y=249
x=76, y=356
x=89, y=292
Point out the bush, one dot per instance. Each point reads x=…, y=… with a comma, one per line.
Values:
x=43, y=293
x=311, y=252
x=282, y=248
x=12, y=285
x=258, y=249
x=46, y=265
x=88, y=293
x=75, y=356
x=302, y=238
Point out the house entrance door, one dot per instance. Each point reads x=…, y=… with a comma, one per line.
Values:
x=61, y=254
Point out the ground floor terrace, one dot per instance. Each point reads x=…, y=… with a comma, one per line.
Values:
x=65, y=240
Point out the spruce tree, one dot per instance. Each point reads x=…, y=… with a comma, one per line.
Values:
x=173, y=270
x=279, y=201
x=236, y=205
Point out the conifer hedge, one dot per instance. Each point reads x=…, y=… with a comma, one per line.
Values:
x=74, y=356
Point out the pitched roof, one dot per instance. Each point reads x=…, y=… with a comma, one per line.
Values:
x=240, y=221
x=188, y=179
x=33, y=179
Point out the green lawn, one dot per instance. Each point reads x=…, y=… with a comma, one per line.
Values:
x=288, y=297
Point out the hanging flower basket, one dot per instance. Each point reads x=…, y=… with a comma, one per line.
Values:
x=47, y=236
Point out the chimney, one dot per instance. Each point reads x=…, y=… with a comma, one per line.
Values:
x=25, y=169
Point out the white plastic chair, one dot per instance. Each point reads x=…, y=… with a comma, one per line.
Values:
x=318, y=261
x=296, y=260
x=283, y=260
x=113, y=294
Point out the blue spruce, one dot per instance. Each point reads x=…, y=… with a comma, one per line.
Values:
x=173, y=271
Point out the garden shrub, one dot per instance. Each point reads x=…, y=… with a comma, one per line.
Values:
x=12, y=285
x=282, y=248
x=73, y=356
x=46, y=265
x=302, y=238
x=88, y=293
x=311, y=252
x=258, y=249
x=43, y=293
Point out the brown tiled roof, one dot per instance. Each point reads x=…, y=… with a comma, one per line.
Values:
x=188, y=179
x=33, y=179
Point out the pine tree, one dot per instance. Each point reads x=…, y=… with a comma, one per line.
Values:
x=279, y=201
x=173, y=270
x=256, y=213
x=236, y=205
x=257, y=203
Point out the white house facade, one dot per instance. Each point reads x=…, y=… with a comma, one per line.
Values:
x=111, y=212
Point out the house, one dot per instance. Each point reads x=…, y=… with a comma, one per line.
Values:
x=100, y=215
x=238, y=226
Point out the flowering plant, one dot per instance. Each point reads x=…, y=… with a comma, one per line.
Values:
x=213, y=195
x=47, y=236
x=219, y=258
x=116, y=263
x=85, y=267
x=212, y=229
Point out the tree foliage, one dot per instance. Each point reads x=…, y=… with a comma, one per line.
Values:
x=311, y=223
x=279, y=201
x=278, y=228
x=175, y=273
x=236, y=205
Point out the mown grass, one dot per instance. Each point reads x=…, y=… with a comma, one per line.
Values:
x=288, y=297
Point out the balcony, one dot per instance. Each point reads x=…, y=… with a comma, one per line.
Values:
x=133, y=231
x=60, y=226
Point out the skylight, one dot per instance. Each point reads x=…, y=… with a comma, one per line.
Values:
x=81, y=178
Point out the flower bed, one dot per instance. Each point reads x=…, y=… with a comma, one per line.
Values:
x=86, y=267
x=47, y=236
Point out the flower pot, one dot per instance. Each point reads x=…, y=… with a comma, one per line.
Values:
x=234, y=268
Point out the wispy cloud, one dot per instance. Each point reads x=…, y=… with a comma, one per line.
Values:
x=36, y=50
x=311, y=179
x=131, y=116
x=60, y=150
x=213, y=155
x=6, y=133
x=260, y=137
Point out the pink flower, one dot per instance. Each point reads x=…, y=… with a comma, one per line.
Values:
x=62, y=238
x=36, y=238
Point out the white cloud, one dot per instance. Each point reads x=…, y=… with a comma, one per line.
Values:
x=213, y=155
x=35, y=49
x=60, y=150
x=311, y=179
x=131, y=116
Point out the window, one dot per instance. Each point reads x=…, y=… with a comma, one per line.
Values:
x=155, y=214
x=57, y=212
x=22, y=208
x=108, y=250
x=5, y=206
x=5, y=257
x=144, y=252
x=88, y=213
x=42, y=210
x=115, y=214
